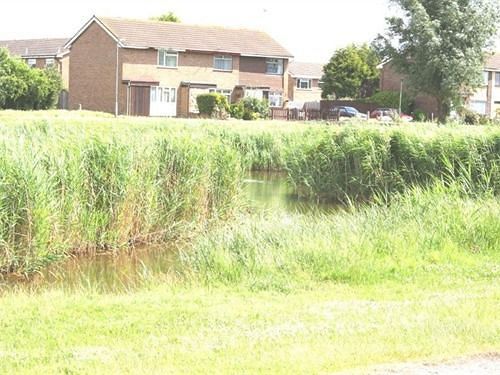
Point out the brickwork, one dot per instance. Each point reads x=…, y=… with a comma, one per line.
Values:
x=92, y=72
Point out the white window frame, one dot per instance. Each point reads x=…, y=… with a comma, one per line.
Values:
x=226, y=92
x=307, y=81
x=224, y=59
x=273, y=96
x=274, y=66
x=31, y=62
x=50, y=62
x=163, y=55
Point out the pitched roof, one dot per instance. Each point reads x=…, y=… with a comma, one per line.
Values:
x=35, y=47
x=181, y=37
x=305, y=70
x=493, y=62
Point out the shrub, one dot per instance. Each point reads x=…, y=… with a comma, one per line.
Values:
x=250, y=109
x=420, y=116
x=213, y=105
x=390, y=99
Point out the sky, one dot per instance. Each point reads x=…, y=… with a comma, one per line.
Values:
x=310, y=29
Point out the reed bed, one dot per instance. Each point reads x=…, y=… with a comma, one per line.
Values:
x=70, y=188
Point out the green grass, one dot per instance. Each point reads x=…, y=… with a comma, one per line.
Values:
x=164, y=330
x=424, y=235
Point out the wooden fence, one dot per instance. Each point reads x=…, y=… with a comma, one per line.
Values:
x=287, y=114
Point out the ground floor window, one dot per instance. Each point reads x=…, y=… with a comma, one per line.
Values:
x=162, y=94
x=275, y=99
x=478, y=106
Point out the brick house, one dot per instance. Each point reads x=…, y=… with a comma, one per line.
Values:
x=303, y=82
x=151, y=68
x=485, y=100
x=41, y=53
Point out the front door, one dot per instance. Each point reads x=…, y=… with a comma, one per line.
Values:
x=163, y=101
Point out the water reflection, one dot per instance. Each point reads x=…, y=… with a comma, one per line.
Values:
x=271, y=191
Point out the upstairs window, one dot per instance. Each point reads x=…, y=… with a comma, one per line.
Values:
x=304, y=84
x=31, y=62
x=224, y=63
x=49, y=62
x=274, y=66
x=497, y=79
x=167, y=59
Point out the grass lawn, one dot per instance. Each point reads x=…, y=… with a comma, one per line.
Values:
x=196, y=330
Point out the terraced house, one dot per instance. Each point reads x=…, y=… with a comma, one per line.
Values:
x=151, y=68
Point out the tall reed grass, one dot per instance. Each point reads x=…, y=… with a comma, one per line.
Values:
x=73, y=188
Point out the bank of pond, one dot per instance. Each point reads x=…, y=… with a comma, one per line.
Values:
x=101, y=185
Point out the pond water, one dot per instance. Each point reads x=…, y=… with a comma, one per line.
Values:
x=128, y=269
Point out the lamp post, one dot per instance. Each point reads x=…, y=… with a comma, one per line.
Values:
x=116, y=78
x=400, y=96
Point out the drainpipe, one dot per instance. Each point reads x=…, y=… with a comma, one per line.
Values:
x=128, y=99
x=116, y=79
x=400, y=97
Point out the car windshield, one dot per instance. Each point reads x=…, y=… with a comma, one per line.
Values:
x=351, y=110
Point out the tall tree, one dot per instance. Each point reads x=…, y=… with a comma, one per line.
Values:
x=167, y=17
x=440, y=45
x=352, y=72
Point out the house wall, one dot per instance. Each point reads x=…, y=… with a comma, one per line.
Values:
x=304, y=95
x=64, y=70
x=92, y=72
x=390, y=80
x=253, y=74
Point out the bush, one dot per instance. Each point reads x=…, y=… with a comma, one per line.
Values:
x=250, y=109
x=213, y=105
x=24, y=88
x=420, y=116
x=390, y=99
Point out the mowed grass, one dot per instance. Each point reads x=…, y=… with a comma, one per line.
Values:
x=163, y=330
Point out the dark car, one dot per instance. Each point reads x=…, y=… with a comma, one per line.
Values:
x=346, y=112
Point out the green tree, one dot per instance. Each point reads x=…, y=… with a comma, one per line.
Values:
x=167, y=17
x=352, y=72
x=440, y=46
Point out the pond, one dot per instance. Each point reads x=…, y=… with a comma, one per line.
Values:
x=128, y=269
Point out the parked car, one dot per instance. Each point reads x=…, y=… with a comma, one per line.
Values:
x=347, y=112
x=389, y=114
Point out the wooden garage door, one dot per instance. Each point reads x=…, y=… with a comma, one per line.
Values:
x=140, y=100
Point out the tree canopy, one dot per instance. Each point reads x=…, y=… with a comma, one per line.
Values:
x=22, y=87
x=167, y=17
x=440, y=45
x=352, y=72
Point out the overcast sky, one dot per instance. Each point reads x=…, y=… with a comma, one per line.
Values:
x=310, y=29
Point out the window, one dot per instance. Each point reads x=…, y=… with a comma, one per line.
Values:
x=49, y=63
x=275, y=99
x=304, y=84
x=162, y=94
x=497, y=79
x=31, y=62
x=478, y=106
x=486, y=78
x=274, y=66
x=167, y=58
x=223, y=63
x=226, y=93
